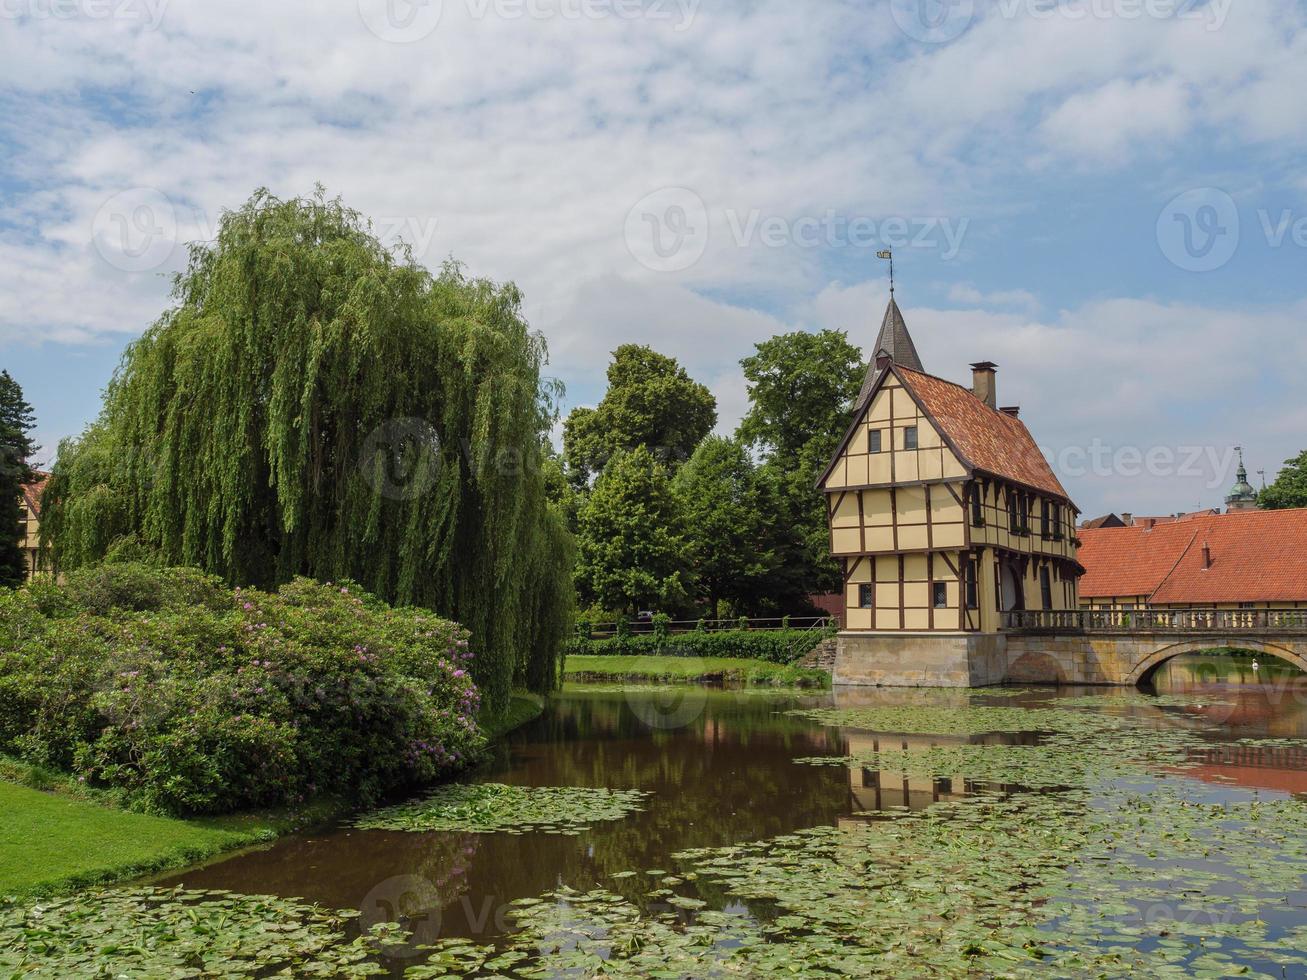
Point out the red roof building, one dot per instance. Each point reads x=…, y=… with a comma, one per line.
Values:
x=29, y=520
x=1243, y=559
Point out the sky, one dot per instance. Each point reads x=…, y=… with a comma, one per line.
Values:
x=1105, y=197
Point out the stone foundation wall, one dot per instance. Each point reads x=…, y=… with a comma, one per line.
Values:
x=920, y=659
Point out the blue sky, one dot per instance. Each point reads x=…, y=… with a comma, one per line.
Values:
x=1104, y=196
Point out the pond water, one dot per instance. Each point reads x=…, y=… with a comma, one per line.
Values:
x=1099, y=830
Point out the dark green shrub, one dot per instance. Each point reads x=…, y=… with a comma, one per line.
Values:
x=773, y=646
x=193, y=698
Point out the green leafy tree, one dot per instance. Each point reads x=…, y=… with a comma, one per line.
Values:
x=727, y=525
x=1290, y=486
x=801, y=389
x=650, y=402
x=314, y=404
x=630, y=545
x=16, y=448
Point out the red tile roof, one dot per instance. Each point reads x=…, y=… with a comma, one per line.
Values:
x=32, y=491
x=1257, y=556
x=1176, y=518
x=987, y=440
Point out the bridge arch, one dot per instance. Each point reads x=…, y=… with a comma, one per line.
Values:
x=1158, y=657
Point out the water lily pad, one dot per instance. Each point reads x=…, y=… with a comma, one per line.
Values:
x=485, y=808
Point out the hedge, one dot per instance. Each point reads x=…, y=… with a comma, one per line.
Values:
x=773, y=646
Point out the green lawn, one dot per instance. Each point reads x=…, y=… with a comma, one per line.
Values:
x=53, y=843
x=757, y=672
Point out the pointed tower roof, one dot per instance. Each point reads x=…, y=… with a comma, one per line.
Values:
x=1242, y=496
x=895, y=340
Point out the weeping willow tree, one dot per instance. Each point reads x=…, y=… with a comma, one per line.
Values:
x=313, y=404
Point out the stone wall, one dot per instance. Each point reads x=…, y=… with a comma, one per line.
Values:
x=920, y=659
x=985, y=659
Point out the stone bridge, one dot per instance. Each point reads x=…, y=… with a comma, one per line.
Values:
x=1124, y=647
x=1067, y=647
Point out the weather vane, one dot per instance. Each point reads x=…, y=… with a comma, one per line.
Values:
x=887, y=254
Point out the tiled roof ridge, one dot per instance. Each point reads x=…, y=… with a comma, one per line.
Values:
x=1174, y=565
x=1003, y=419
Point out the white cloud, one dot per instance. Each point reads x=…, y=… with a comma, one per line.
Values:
x=521, y=145
x=1106, y=122
x=967, y=293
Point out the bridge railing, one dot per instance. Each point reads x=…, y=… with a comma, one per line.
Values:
x=1156, y=620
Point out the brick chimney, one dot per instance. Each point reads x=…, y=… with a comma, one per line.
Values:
x=982, y=382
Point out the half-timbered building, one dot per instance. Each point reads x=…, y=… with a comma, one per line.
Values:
x=944, y=514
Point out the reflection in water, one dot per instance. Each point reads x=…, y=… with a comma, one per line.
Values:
x=724, y=776
x=720, y=767
x=1253, y=694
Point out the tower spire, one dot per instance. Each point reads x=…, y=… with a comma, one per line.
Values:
x=895, y=341
x=1242, y=496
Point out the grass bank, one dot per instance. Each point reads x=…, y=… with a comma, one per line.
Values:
x=52, y=843
x=522, y=708
x=693, y=669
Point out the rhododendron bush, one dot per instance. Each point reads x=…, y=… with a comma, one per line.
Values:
x=191, y=697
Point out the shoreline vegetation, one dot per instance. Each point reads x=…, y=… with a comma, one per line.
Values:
x=703, y=670
x=59, y=836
